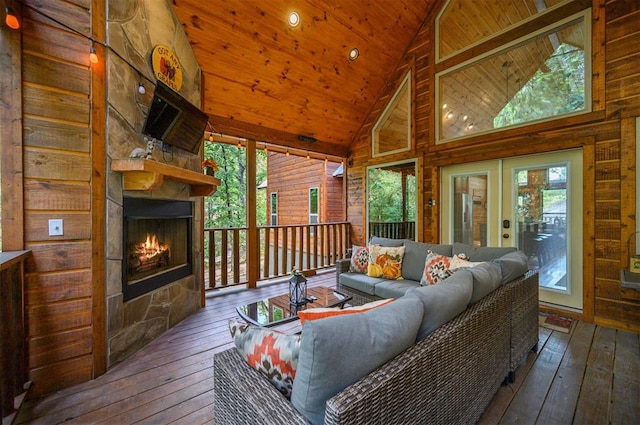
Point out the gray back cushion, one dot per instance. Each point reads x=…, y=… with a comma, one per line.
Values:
x=513, y=265
x=377, y=240
x=442, y=301
x=415, y=254
x=487, y=277
x=336, y=352
x=481, y=253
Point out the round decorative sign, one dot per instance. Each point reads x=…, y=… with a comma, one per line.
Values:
x=166, y=67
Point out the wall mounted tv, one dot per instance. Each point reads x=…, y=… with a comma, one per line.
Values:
x=174, y=120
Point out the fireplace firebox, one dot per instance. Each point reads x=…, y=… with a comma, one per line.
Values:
x=157, y=244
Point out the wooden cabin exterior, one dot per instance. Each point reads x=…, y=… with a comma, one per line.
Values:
x=290, y=180
x=62, y=121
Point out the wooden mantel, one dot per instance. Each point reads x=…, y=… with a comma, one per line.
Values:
x=145, y=174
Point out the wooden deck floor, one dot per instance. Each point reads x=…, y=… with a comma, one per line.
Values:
x=590, y=376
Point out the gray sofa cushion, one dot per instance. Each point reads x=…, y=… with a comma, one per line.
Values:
x=443, y=301
x=394, y=288
x=361, y=282
x=415, y=254
x=337, y=351
x=481, y=253
x=487, y=277
x=513, y=265
x=377, y=240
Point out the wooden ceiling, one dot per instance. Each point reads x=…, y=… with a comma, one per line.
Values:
x=266, y=80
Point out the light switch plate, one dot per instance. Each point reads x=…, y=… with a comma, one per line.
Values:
x=55, y=227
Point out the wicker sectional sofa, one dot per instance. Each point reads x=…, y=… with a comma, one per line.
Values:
x=448, y=377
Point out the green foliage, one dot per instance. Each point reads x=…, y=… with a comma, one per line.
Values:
x=557, y=90
x=385, y=196
x=228, y=206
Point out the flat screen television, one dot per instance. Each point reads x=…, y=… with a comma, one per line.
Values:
x=174, y=120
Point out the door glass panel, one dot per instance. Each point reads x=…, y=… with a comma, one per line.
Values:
x=470, y=209
x=541, y=225
x=391, y=206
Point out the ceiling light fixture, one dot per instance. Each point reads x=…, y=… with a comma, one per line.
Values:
x=293, y=19
x=141, y=88
x=354, y=53
x=450, y=115
x=11, y=19
x=444, y=106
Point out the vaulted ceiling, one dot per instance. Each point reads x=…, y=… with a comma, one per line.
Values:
x=270, y=81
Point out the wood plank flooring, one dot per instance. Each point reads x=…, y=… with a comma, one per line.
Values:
x=590, y=376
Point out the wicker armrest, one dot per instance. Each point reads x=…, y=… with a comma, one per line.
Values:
x=243, y=396
x=342, y=266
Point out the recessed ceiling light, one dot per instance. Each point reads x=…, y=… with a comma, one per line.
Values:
x=294, y=19
x=354, y=53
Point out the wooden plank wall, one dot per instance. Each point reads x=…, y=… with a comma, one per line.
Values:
x=606, y=135
x=57, y=185
x=292, y=176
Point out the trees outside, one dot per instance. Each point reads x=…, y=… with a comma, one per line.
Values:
x=554, y=90
x=228, y=206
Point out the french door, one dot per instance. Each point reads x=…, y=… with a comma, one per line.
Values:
x=533, y=203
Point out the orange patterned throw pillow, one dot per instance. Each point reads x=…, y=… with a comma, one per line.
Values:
x=321, y=313
x=359, y=259
x=272, y=353
x=385, y=261
x=437, y=267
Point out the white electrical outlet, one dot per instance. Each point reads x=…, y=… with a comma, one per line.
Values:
x=55, y=227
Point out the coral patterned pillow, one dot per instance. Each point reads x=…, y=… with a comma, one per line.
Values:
x=270, y=352
x=359, y=259
x=385, y=261
x=437, y=267
x=321, y=313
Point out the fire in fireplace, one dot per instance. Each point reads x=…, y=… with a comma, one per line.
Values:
x=148, y=257
x=157, y=244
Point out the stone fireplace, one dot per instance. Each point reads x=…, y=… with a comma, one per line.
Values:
x=161, y=291
x=157, y=244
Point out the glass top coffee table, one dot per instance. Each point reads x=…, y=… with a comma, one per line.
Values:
x=277, y=310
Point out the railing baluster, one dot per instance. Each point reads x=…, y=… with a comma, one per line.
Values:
x=224, y=267
x=236, y=255
x=267, y=252
x=285, y=250
x=294, y=231
x=303, y=247
x=212, y=258
x=276, y=251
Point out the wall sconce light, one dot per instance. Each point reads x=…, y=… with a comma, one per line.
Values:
x=93, y=56
x=11, y=19
x=297, y=289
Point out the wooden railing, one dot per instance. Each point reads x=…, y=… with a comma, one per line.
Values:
x=13, y=359
x=394, y=230
x=281, y=248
